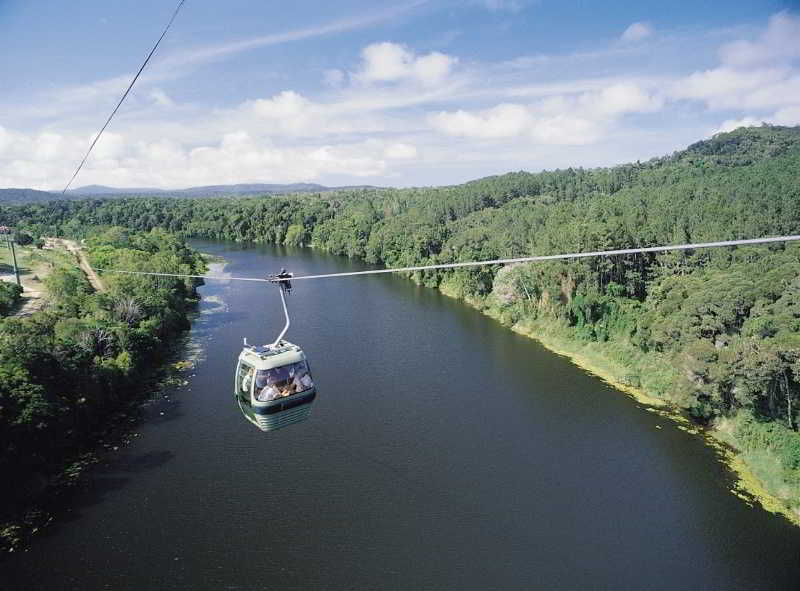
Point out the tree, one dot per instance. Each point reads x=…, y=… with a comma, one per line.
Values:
x=23, y=238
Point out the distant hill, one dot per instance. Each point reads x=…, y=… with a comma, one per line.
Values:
x=209, y=191
x=257, y=188
x=92, y=190
x=26, y=196
x=101, y=191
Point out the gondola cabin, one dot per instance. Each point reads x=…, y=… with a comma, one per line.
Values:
x=273, y=385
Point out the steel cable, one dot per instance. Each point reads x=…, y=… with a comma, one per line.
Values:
x=135, y=78
x=530, y=259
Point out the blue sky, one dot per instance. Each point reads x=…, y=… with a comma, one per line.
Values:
x=407, y=93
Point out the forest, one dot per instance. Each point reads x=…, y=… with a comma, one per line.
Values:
x=65, y=369
x=714, y=332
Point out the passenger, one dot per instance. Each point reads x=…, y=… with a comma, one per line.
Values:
x=269, y=391
x=247, y=380
x=302, y=381
x=289, y=388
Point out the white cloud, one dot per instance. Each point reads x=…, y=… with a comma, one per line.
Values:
x=386, y=61
x=394, y=111
x=400, y=151
x=47, y=158
x=110, y=146
x=288, y=113
x=731, y=124
x=621, y=98
x=285, y=106
x=566, y=130
x=345, y=160
x=753, y=75
x=785, y=92
x=5, y=139
x=575, y=119
x=241, y=156
x=636, y=32
x=433, y=67
x=503, y=121
x=727, y=87
x=47, y=146
x=787, y=116
x=513, y=121
x=391, y=62
x=780, y=42
x=292, y=115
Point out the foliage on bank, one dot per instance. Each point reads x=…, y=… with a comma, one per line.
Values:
x=713, y=331
x=67, y=368
x=9, y=297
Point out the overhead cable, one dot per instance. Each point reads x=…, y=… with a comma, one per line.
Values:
x=135, y=78
x=530, y=259
x=574, y=255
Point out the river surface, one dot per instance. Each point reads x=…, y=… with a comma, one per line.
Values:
x=443, y=452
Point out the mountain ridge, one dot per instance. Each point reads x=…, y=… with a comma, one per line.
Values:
x=24, y=195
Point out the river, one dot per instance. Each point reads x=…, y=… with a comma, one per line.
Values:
x=443, y=452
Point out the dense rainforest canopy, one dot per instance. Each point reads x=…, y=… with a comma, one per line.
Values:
x=714, y=331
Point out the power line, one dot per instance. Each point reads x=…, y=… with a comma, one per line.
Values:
x=531, y=259
x=135, y=78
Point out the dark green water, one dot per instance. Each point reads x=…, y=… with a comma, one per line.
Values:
x=443, y=452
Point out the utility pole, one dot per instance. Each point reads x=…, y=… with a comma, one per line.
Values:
x=14, y=257
x=6, y=231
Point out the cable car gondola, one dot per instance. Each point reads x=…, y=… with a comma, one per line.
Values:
x=273, y=385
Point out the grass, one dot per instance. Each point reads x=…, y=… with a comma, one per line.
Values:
x=34, y=265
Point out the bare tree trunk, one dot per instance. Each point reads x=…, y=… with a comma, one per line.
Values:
x=525, y=288
x=529, y=303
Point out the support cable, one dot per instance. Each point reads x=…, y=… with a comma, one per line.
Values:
x=531, y=259
x=114, y=112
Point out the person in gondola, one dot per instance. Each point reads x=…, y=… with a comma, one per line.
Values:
x=287, y=387
x=248, y=379
x=302, y=381
x=269, y=391
x=285, y=275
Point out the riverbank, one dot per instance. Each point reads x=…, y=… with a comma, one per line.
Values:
x=75, y=374
x=594, y=358
x=50, y=493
